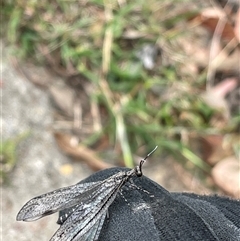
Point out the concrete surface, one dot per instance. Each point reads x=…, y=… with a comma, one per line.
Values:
x=39, y=162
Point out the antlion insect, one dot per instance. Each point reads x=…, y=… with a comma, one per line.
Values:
x=88, y=204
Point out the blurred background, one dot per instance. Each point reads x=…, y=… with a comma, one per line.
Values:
x=87, y=85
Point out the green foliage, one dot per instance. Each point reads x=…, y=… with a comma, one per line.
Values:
x=148, y=107
x=8, y=156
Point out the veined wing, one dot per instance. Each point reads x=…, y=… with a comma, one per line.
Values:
x=54, y=201
x=94, y=232
x=81, y=224
x=63, y=198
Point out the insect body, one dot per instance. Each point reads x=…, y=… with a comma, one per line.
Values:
x=90, y=201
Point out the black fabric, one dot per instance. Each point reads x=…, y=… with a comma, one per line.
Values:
x=145, y=211
x=229, y=207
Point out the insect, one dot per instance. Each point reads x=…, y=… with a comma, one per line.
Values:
x=87, y=204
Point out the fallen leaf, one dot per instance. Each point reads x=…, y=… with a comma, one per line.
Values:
x=63, y=97
x=212, y=148
x=210, y=18
x=215, y=97
x=69, y=144
x=34, y=74
x=237, y=25
x=226, y=175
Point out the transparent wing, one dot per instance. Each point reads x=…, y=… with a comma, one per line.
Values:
x=64, y=214
x=85, y=223
x=93, y=233
x=99, y=227
x=54, y=201
x=63, y=198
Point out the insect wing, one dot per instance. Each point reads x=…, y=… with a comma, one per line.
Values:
x=99, y=227
x=54, y=201
x=64, y=214
x=87, y=220
x=94, y=232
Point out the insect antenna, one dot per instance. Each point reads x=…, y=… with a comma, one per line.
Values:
x=138, y=169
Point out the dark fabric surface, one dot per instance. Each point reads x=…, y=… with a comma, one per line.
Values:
x=145, y=211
